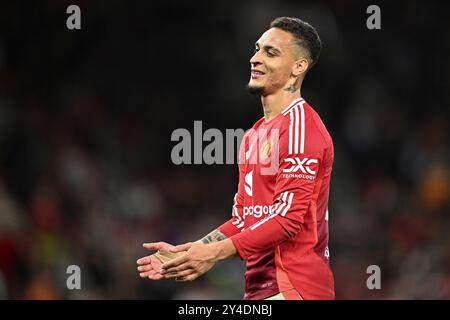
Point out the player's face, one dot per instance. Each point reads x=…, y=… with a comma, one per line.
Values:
x=273, y=61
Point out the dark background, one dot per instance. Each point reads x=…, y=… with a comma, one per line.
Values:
x=86, y=118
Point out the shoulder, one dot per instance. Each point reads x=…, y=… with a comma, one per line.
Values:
x=302, y=130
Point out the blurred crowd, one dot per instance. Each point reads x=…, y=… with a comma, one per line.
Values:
x=85, y=138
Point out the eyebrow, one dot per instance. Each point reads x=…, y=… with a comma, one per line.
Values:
x=267, y=48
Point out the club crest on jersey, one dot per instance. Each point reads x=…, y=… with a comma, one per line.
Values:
x=266, y=150
x=301, y=168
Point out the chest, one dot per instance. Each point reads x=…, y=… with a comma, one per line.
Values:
x=260, y=163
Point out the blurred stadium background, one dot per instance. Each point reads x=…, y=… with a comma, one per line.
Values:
x=86, y=118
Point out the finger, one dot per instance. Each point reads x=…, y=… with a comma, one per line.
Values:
x=175, y=262
x=152, y=275
x=156, y=246
x=180, y=274
x=155, y=277
x=144, y=260
x=145, y=268
x=181, y=247
x=191, y=277
x=179, y=268
x=174, y=273
x=147, y=273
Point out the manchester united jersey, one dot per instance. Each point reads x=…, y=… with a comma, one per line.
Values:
x=279, y=221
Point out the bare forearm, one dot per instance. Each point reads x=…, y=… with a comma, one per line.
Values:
x=213, y=236
x=224, y=249
x=222, y=244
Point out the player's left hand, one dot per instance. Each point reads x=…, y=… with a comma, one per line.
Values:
x=198, y=259
x=150, y=266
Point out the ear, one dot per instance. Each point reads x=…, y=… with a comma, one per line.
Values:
x=300, y=67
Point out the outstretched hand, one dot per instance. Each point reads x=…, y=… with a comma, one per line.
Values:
x=192, y=259
x=150, y=266
x=197, y=259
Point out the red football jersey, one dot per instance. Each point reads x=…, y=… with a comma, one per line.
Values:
x=279, y=221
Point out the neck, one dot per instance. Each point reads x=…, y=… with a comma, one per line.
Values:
x=274, y=104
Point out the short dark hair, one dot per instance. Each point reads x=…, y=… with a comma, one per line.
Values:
x=305, y=35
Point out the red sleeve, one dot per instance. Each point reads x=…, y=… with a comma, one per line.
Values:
x=235, y=224
x=295, y=184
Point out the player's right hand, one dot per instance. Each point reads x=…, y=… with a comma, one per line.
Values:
x=150, y=266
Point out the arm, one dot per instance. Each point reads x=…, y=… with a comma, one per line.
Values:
x=293, y=198
x=213, y=236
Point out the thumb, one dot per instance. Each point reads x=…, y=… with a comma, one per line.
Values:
x=181, y=247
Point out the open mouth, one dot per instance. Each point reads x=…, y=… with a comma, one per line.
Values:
x=257, y=74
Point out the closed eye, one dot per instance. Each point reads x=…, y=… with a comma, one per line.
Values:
x=269, y=51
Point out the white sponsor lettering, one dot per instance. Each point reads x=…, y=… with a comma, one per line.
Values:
x=257, y=211
x=302, y=165
x=298, y=176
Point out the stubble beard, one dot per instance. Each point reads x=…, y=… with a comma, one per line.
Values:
x=256, y=90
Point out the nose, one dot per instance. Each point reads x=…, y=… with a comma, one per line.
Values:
x=256, y=59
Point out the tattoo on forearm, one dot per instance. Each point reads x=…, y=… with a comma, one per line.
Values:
x=214, y=236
